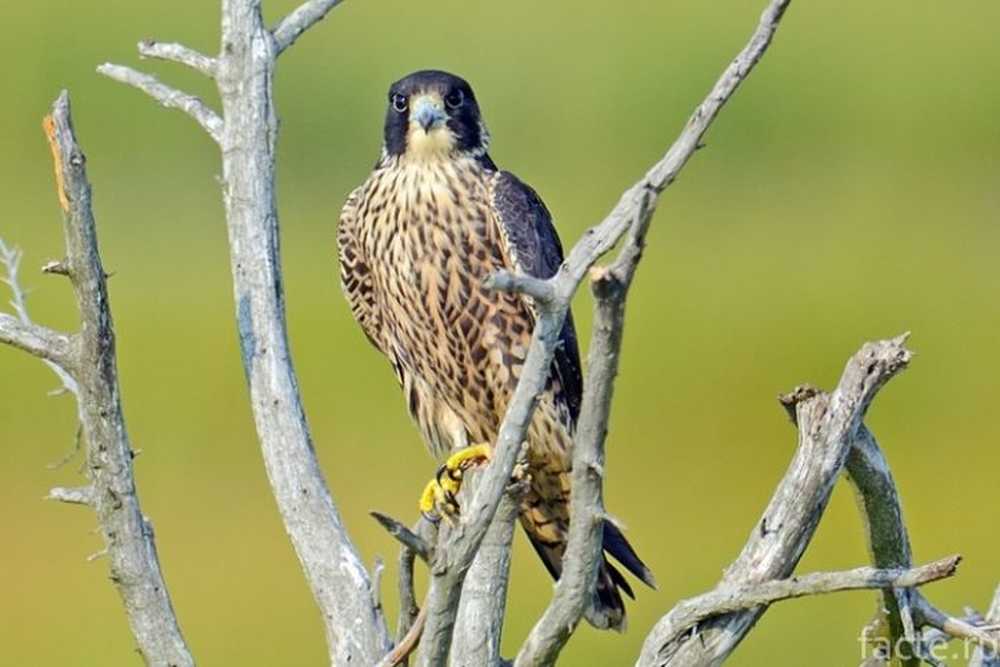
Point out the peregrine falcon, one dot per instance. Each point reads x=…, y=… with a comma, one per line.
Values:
x=416, y=239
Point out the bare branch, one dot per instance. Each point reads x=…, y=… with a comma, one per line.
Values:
x=635, y=205
x=407, y=642
x=56, y=267
x=35, y=340
x=411, y=618
x=536, y=288
x=128, y=535
x=51, y=346
x=82, y=495
x=301, y=19
x=827, y=425
x=355, y=629
x=869, y=474
x=178, y=53
x=981, y=657
x=483, y=604
x=575, y=587
x=167, y=96
x=928, y=614
x=889, y=543
x=726, y=599
x=408, y=538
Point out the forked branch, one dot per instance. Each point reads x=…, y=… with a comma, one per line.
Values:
x=247, y=134
x=301, y=19
x=87, y=364
x=827, y=424
x=633, y=211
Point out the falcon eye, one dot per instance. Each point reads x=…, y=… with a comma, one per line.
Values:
x=399, y=103
x=454, y=99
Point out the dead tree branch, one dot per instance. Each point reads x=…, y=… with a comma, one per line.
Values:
x=869, y=474
x=688, y=614
x=247, y=135
x=304, y=17
x=827, y=425
x=982, y=657
x=180, y=54
x=906, y=610
x=552, y=298
x=19, y=331
x=86, y=363
x=167, y=96
x=36, y=340
x=483, y=604
x=576, y=584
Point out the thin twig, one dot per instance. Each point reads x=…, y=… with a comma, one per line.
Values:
x=178, y=53
x=82, y=495
x=167, y=96
x=956, y=627
x=726, y=599
x=406, y=644
x=36, y=340
x=505, y=281
x=408, y=538
x=981, y=657
x=21, y=332
x=299, y=20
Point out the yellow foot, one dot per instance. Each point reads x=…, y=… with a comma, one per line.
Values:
x=439, y=496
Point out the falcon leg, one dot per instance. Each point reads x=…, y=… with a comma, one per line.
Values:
x=439, y=496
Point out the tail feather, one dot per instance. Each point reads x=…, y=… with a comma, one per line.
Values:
x=619, y=547
x=606, y=610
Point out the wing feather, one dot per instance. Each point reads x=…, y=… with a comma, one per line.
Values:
x=355, y=272
x=537, y=251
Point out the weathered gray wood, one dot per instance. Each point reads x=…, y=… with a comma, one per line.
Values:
x=247, y=132
x=87, y=365
x=483, y=604
x=982, y=657
x=827, y=424
x=584, y=549
x=726, y=599
x=882, y=513
x=180, y=54
x=35, y=339
x=304, y=17
x=168, y=96
x=333, y=568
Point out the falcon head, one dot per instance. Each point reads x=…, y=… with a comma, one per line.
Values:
x=434, y=114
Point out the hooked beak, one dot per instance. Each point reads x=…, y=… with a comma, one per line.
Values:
x=428, y=113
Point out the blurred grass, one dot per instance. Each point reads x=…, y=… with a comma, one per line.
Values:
x=848, y=192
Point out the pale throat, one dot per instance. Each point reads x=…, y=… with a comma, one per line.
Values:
x=438, y=144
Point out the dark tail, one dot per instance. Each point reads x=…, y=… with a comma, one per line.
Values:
x=607, y=609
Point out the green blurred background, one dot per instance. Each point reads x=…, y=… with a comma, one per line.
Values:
x=849, y=192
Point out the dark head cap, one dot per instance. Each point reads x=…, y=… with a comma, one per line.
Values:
x=434, y=113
